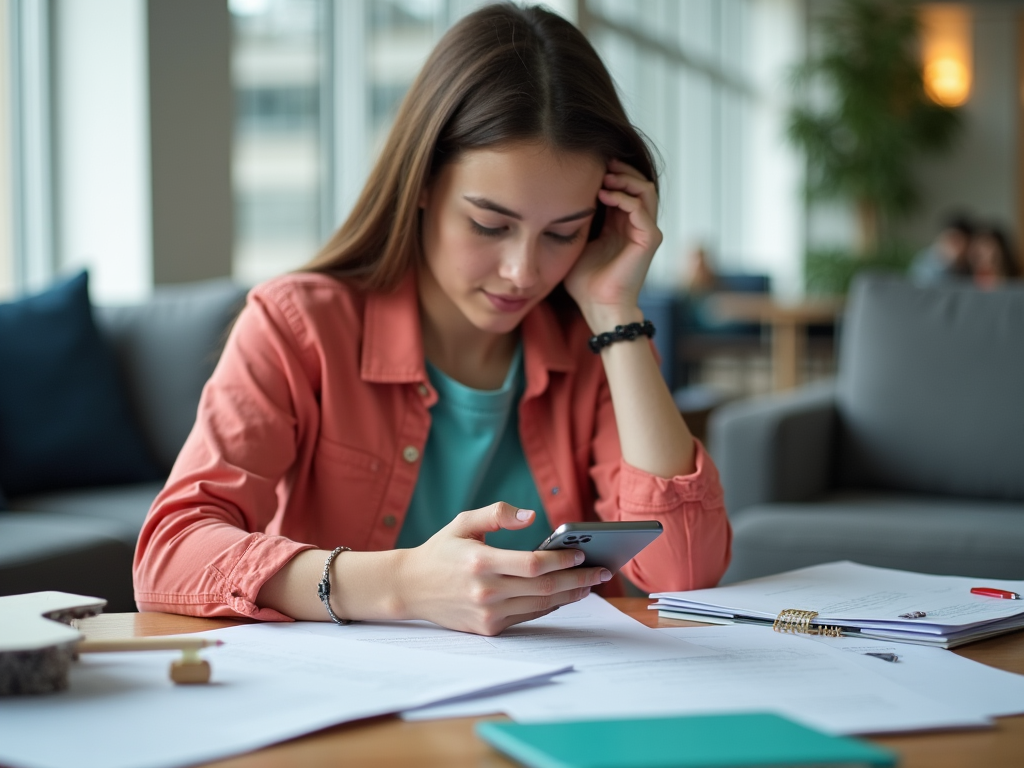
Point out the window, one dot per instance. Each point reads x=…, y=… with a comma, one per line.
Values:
x=317, y=86
x=682, y=70
x=31, y=161
x=319, y=83
x=380, y=46
x=6, y=156
x=278, y=169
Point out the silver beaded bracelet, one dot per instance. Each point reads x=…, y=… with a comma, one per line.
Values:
x=323, y=589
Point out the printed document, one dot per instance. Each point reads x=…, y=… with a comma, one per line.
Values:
x=732, y=669
x=270, y=682
x=625, y=669
x=591, y=631
x=938, y=674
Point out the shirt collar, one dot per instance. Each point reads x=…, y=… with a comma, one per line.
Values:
x=392, y=336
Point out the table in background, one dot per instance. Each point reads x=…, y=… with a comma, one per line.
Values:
x=788, y=321
x=388, y=741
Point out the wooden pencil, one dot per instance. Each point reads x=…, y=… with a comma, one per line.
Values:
x=146, y=644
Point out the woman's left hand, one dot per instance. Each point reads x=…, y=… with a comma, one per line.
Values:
x=606, y=280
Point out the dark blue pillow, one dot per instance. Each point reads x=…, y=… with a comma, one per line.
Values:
x=64, y=416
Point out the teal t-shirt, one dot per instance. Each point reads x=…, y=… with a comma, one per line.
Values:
x=473, y=458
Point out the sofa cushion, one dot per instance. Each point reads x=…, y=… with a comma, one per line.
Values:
x=64, y=416
x=167, y=349
x=125, y=506
x=42, y=551
x=930, y=389
x=929, y=534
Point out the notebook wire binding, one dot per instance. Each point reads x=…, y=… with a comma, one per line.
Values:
x=796, y=621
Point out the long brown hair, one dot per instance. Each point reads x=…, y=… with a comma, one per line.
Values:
x=502, y=74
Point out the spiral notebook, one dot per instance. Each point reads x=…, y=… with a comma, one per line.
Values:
x=845, y=598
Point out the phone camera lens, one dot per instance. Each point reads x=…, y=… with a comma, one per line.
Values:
x=585, y=539
x=569, y=539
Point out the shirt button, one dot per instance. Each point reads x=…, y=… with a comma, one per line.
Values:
x=410, y=453
x=422, y=389
x=554, y=491
x=389, y=521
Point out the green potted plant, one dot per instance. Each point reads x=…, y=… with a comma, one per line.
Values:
x=861, y=137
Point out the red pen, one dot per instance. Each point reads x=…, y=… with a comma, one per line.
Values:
x=990, y=592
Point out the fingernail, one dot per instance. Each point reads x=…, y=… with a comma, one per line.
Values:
x=579, y=556
x=524, y=514
x=586, y=591
x=605, y=575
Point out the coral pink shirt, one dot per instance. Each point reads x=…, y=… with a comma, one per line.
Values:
x=309, y=435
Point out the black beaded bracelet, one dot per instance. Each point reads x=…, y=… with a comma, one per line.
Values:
x=621, y=333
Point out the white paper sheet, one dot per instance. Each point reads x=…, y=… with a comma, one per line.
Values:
x=591, y=631
x=269, y=683
x=731, y=669
x=940, y=675
x=585, y=634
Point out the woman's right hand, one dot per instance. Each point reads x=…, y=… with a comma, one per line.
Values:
x=456, y=580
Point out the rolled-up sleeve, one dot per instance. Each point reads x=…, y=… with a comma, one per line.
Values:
x=203, y=549
x=694, y=550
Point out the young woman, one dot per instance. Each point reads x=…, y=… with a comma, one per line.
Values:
x=405, y=419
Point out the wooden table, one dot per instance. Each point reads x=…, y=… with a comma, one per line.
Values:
x=388, y=741
x=788, y=321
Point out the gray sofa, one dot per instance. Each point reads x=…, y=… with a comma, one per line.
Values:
x=83, y=540
x=912, y=458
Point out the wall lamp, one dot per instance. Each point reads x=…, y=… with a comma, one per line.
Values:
x=946, y=51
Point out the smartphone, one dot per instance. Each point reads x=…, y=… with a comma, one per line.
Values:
x=607, y=545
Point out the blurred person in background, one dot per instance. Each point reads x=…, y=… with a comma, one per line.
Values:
x=991, y=257
x=698, y=275
x=946, y=257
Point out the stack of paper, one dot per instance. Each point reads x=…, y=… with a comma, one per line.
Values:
x=860, y=600
x=270, y=682
x=626, y=670
x=276, y=681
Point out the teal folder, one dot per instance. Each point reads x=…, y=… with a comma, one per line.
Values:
x=703, y=741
